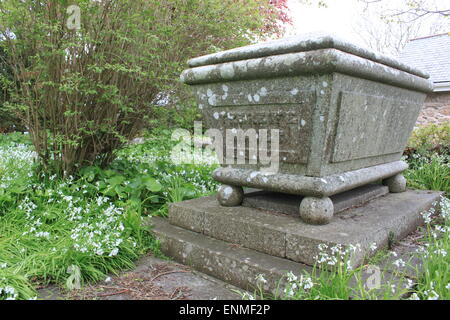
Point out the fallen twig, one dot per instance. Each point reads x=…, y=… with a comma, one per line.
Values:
x=169, y=272
x=113, y=294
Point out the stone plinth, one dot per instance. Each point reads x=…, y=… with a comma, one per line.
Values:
x=237, y=244
x=344, y=115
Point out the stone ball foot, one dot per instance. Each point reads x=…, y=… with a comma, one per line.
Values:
x=316, y=210
x=396, y=183
x=230, y=196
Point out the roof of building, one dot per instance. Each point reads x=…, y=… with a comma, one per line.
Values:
x=432, y=55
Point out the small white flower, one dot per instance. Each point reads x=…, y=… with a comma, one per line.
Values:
x=260, y=278
x=399, y=263
x=414, y=296
x=409, y=283
x=432, y=295
x=247, y=296
x=291, y=277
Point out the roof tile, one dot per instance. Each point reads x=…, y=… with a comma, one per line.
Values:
x=431, y=54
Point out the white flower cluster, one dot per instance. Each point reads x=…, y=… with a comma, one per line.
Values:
x=444, y=205
x=294, y=284
x=437, y=231
x=100, y=233
x=8, y=293
x=337, y=254
x=247, y=296
x=33, y=222
x=191, y=176
x=14, y=160
x=399, y=263
x=431, y=294
x=96, y=225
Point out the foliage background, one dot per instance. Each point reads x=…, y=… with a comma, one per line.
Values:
x=84, y=93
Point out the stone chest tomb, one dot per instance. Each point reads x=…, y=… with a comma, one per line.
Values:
x=344, y=115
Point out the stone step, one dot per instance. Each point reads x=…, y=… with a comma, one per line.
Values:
x=241, y=267
x=228, y=262
x=381, y=220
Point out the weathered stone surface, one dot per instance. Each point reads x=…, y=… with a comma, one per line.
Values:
x=289, y=204
x=396, y=183
x=230, y=196
x=186, y=218
x=299, y=63
x=233, y=264
x=300, y=43
x=308, y=186
x=316, y=210
x=397, y=214
x=436, y=109
x=338, y=108
x=288, y=237
x=152, y=279
x=366, y=122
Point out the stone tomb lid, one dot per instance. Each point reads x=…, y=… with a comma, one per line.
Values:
x=302, y=43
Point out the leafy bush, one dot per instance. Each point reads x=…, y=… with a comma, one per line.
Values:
x=84, y=93
x=176, y=115
x=8, y=120
x=433, y=137
x=428, y=154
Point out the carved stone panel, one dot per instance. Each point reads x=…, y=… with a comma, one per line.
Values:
x=370, y=126
x=293, y=120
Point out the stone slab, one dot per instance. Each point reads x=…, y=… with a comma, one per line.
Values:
x=289, y=204
x=231, y=263
x=240, y=267
x=301, y=43
x=288, y=237
x=300, y=63
x=152, y=279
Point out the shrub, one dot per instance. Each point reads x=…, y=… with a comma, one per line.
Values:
x=428, y=155
x=432, y=137
x=83, y=93
x=8, y=121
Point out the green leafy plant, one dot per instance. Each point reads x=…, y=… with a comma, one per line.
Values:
x=434, y=280
x=429, y=172
x=66, y=231
x=85, y=92
x=433, y=137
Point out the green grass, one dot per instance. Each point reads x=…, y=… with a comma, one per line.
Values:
x=435, y=281
x=429, y=172
x=332, y=278
x=91, y=223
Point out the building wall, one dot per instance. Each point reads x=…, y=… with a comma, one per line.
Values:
x=436, y=109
